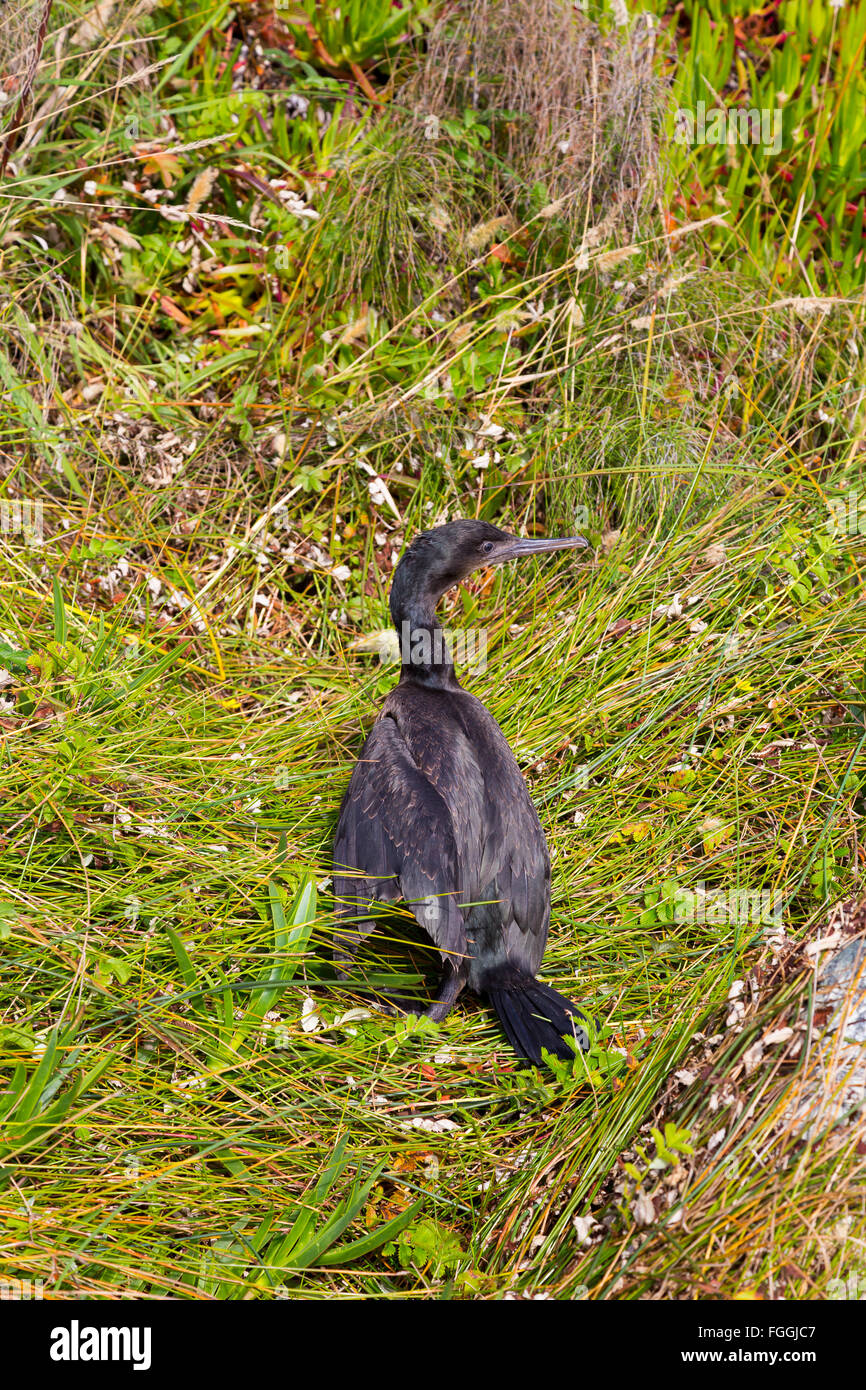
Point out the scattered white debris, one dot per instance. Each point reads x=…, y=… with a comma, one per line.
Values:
x=643, y=1210
x=432, y=1126
x=310, y=1021
x=583, y=1226
x=823, y=943
x=490, y=429
x=738, y=1008
x=351, y=1016
x=296, y=207
x=752, y=1057
x=675, y=609
x=779, y=1035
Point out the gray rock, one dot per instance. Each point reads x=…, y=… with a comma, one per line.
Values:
x=842, y=985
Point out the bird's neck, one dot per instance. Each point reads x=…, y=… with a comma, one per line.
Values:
x=424, y=653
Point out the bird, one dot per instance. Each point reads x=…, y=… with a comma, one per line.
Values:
x=437, y=813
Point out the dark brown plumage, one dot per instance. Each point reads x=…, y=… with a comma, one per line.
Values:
x=437, y=813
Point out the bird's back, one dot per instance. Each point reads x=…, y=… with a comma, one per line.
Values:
x=481, y=835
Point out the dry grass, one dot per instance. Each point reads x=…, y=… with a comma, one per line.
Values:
x=446, y=175
x=584, y=107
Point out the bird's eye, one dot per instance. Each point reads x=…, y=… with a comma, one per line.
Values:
x=485, y=547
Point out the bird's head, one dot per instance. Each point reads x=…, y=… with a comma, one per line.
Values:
x=439, y=558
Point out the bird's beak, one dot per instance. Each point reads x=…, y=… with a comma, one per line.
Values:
x=539, y=547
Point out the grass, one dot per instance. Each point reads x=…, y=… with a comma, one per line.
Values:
x=230, y=441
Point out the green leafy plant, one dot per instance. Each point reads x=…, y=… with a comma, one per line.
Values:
x=428, y=1247
x=352, y=33
x=37, y=1104
x=810, y=190
x=233, y=1039
x=657, y=907
x=271, y=1263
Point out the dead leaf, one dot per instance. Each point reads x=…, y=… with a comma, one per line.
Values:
x=120, y=235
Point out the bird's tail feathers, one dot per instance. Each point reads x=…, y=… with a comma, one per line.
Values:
x=533, y=1015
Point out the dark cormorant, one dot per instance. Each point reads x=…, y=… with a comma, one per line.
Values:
x=437, y=812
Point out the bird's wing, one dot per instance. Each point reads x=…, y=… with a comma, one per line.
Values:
x=440, y=746
x=514, y=860
x=501, y=847
x=521, y=877
x=395, y=833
